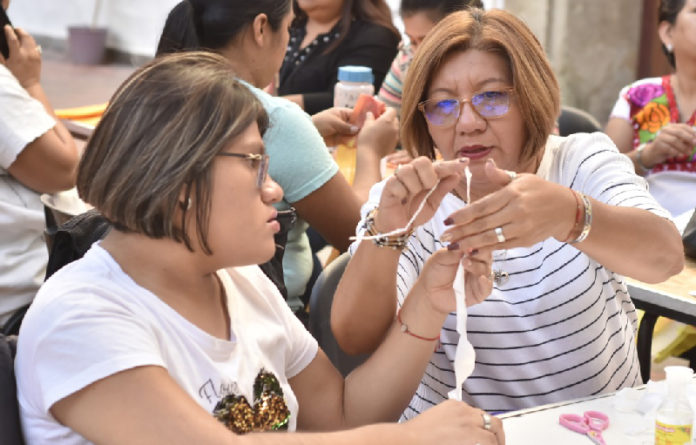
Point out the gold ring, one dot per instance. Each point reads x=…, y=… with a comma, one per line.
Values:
x=486, y=420
x=499, y=234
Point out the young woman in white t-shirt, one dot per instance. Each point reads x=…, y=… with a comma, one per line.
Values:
x=167, y=332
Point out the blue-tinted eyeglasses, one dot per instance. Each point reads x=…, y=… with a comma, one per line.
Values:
x=445, y=112
x=259, y=161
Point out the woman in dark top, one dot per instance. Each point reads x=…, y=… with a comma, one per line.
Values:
x=328, y=34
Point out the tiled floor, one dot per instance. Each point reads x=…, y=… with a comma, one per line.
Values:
x=68, y=85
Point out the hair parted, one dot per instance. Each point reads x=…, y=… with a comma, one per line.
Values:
x=536, y=90
x=154, y=146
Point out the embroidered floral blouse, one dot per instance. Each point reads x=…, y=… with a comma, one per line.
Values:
x=650, y=104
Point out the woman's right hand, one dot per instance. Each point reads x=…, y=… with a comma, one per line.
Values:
x=455, y=423
x=25, y=57
x=406, y=188
x=673, y=140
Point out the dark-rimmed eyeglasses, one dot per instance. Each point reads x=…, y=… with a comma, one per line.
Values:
x=259, y=161
x=446, y=112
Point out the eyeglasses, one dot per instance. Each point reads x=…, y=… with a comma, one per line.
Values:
x=445, y=112
x=259, y=161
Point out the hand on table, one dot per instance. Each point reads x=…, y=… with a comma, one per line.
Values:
x=455, y=423
x=24, y=61
x=673, y=140
x=527, y=209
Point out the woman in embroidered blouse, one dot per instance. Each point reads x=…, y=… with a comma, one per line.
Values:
x=419, y=17
x=653, y=121
x=328, y=34
x=563, y=218
x=166, y=332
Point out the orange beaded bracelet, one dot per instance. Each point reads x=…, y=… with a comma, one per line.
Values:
x=405, y=330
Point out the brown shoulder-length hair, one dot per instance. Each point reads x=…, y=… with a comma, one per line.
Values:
x=374, y=11
x=154, y=146
x=536, y=90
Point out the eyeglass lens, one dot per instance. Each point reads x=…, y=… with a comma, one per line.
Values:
x=263, y=171
x=487, y=104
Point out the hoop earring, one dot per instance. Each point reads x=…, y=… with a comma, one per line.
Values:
x=185, y=205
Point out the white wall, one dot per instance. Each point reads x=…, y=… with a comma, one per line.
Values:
x=134, y=25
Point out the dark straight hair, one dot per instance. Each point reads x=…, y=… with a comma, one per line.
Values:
x=668, y=12
x=213, y=24
x=436, y=10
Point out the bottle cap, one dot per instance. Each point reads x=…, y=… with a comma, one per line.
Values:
x=679, y=374
x=354, y=73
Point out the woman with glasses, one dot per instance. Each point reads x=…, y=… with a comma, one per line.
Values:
x=166, y=332
x=564, y=219
x=253, y=36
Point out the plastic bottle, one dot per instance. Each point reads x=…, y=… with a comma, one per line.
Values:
x=674, y=417
x=352, y=82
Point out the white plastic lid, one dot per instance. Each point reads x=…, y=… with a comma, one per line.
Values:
x=355, y=73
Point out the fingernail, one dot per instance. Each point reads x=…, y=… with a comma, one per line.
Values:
x=453, y=246
x=463, y=160
x=446, y=237
x=448, y=222
x=354, y=128
x=489, y=161
x=472, y=252
x=404, y=201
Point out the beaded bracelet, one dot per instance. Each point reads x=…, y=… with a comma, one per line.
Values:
x=588, y=220
x=578, y=215
x=405, y=330
x=396, y=242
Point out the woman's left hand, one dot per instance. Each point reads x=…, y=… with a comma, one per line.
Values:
x=440, y=271
x=525, y=210
x=333, y=125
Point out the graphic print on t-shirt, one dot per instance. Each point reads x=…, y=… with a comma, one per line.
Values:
x=267, y=412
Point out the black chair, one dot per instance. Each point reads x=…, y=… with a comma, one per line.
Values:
x=320, y=315
x=10, y=427
x=574, y=120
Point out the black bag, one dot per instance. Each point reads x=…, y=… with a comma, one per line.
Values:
x=274, y=267
x=689, y=237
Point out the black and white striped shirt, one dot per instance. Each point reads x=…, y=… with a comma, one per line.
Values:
x=562, y=326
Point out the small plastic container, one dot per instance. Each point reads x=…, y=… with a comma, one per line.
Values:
x=352, y=82
x=674, y=417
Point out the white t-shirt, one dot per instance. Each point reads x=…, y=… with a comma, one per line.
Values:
x=562, y=326
x=91, y=320
x=23, y=253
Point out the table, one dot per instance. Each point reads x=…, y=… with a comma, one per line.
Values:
x=540, y=425
x=667, y=299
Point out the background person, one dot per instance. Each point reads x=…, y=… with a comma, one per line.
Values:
x=328, y=34
x=564, y=219
x=37, y=155
x=419, y=17
x=166, y=332
x=653, y=121
x=253, y=37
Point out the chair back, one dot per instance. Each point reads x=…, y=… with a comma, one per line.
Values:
x=320, y=315
x=574, y=120
x=10, y=427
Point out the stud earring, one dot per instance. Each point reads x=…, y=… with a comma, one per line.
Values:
x=186, y=205
x=669, y=47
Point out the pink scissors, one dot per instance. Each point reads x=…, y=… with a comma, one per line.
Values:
x=592, y=423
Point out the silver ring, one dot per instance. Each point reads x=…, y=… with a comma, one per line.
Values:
x=486, y=420
x=511, y=174
x=499, y=234
x=38, y=49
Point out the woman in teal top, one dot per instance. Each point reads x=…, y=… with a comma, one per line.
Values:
x=253, y=37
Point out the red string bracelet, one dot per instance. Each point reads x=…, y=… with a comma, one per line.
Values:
x=578, y=215
x=405, y=330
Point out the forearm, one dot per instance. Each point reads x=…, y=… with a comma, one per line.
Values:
x=37, y=92
x=367, y=172
x=634, y=242
x=379, y=434
x=365, y=301
x=382, y=387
